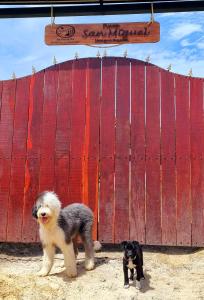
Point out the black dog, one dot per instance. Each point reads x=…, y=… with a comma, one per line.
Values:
x=132, y=259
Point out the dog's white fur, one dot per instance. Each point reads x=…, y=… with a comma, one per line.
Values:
x=52, y=235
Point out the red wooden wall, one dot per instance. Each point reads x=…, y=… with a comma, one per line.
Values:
x=122, y=136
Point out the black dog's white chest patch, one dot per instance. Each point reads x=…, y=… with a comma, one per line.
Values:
x=130, y=264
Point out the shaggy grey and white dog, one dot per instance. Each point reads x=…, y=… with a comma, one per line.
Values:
x=60, y=227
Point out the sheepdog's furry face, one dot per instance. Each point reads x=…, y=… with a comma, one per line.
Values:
x=47, y=208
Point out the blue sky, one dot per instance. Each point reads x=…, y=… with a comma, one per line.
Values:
x=182, y=43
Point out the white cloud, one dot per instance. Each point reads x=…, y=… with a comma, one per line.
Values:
x=184, y=29
x=185, y=43
x=24, y=47
x=200, y=45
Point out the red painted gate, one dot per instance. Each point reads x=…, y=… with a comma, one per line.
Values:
x=123, y=136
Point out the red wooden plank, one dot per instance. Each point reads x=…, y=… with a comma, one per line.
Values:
x=197, y=160
x=31, y=189
x=7, y=115
x=153, y=204
x=137, y=200
x=78, y=130
x=6, y=136
x=122, y=150
x=168, y=159
x=47, y=169
x=1, y=87
x=63, y=131
x=62, y=179
x=183, y=161
x=91, y=151
x=107, y=152
x=75, y=179
x=15, y=212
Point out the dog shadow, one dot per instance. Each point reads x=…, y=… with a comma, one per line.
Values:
x=21, y=249
x=81, y=271
x=171, y=250
x=145, y=283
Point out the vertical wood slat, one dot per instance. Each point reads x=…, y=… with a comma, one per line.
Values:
x=91, y=151
x=47, y=163
x=137, y=201
x=1, y=88
x=153, y=200
x=107, y=151
x=183, y=161
x=168, y=159
x=78, y=130
x=63, y=132
x=197, y=160
x=32, y=170
x=6, y=136
x=15, y=212
x=122, y=150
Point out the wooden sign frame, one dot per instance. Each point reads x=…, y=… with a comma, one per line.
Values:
x=107, y=33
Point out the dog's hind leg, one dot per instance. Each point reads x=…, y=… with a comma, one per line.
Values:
x=86, y=237
x=48, y=259
x=69, y=259
x=140, y=276
x=75, y=245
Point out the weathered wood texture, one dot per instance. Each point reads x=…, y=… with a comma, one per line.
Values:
x=122, y=136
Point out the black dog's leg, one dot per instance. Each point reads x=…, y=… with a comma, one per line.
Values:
x=125, y=271
x=131, y=274
x=140, y=275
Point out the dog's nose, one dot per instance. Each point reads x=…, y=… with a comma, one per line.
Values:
x=43, y=214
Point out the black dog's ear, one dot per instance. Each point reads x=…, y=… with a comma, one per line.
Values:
x=135, y=243
x=124, y=244
x=34, y=211
x=138, y=248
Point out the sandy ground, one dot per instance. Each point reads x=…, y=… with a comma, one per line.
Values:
x=171, y=273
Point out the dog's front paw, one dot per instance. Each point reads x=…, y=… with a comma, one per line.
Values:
x=126, y=286
x=138, y=285
x=89, y=264
x=42, y=273
x=72, y=274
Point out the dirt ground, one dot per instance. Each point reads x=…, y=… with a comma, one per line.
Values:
x=171, y=273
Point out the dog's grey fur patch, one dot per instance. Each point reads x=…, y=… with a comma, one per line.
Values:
x=76, y=219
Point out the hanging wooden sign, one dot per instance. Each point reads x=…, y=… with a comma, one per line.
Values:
x=113, y=33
